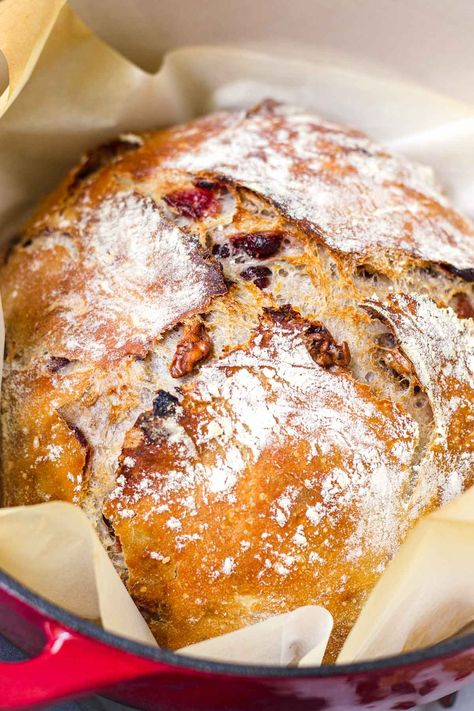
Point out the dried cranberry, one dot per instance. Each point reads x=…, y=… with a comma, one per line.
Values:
x=323, y=348
x=259, y=275
x=57, y=363
x=282, y=315
x=164, y=404
x=193, y=202
x=222, y=251
x=259, y=245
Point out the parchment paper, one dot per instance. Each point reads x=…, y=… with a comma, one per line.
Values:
x=68, y=91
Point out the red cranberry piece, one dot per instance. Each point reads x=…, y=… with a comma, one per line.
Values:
x=57, y=363
x=259, y=275
x=222, y=251
x=259, y=245
x=193, y=202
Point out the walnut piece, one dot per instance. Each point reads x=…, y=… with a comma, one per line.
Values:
x=323, y=348
x=193, y=347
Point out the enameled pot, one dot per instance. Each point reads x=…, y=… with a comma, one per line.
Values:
x=72, y=658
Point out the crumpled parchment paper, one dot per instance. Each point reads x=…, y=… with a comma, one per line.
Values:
x=65, y=90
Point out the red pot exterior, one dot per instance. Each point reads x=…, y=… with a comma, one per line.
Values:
x=70, y=663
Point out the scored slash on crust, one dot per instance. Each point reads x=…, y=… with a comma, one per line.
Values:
x=135, y=275
x=441, y=350
x=335, y=182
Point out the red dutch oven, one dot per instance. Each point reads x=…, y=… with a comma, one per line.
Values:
x=73, y=658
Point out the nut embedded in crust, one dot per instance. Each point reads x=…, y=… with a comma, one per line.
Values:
x=192, y=348
x=323, y=348
x=396, y=361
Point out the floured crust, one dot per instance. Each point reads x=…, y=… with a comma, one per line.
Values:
x=123, y=274
x=254, y=489
x=233, y=343
x=353, y=195
x=441, y=348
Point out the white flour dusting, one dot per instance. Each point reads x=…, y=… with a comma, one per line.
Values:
x=135, y=275
x=441, y=348
x=271, y=396
x=352, y=192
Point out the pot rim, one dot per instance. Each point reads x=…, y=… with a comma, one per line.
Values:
x=89, y=629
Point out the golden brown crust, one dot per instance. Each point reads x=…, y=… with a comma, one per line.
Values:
x=267, y=516
x=441, y=350
x=248, y=457
x=336, y=183
x=121, y=275
x=43, y=456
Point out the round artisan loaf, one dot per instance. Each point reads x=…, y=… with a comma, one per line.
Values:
x=244, y=346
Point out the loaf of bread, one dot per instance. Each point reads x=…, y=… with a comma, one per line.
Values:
x=245, y=347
